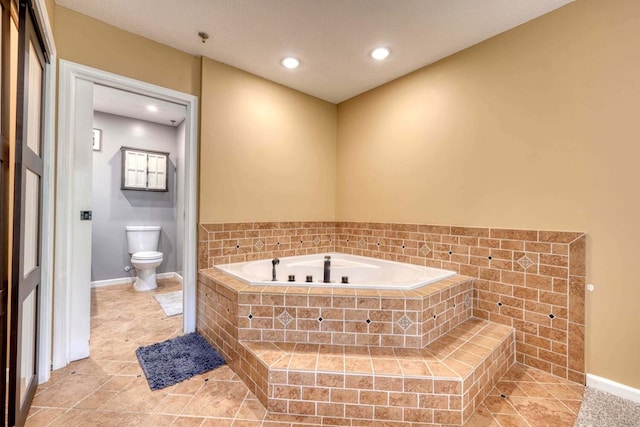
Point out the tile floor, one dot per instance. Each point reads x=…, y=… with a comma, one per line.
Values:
x=109, y=388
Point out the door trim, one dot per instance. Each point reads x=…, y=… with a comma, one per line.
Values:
x=69, y=74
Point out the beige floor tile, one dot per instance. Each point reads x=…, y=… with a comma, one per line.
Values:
x=217, y=399
x=561, y=391
x=499, y=405
x=118, y=383
x=251, y=409
x=517, y=373
x=246, y=423
x=482, y=418
x=188, y=422
x=543, y=412
x=188, y=387
x=574, y=405
x=508, y=388
x=96, y=399
x=145, y=420
x=43, y=416
x=67, y=393
x=511, y=420
x=136, y=397
x=534, y=389
x=73, y=417
x=172, y=404
x=217, y=422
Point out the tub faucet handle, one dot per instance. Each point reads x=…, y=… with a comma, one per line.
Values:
x=274, y=262
x=327, y=269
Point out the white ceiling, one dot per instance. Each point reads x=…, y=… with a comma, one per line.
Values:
x=332, y=38
x=127, y=104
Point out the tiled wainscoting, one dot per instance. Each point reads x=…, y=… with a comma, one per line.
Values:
x=531, y=281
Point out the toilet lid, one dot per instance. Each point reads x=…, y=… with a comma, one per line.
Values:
x=147, y=255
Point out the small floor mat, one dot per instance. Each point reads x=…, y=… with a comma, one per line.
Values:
x=175, y=360
x=171, y=302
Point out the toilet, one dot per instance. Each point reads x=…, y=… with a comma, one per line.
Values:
x=142, y=242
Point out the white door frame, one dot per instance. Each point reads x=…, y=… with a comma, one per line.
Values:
x=70, y=73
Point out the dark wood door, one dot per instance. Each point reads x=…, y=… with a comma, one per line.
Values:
x=5, y=63
x=27, y=219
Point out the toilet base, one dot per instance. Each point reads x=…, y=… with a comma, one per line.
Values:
x=146, y=280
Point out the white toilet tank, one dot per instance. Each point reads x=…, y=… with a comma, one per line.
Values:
x=142, y=238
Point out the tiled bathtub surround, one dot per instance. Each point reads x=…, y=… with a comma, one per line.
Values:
x=422, y=368
x=355, y=317
x=531, y=280
x=230, y=311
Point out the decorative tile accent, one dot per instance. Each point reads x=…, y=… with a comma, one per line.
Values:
x=525, y=262
x=425, y=250
x=362, y=243
x=405, y=323
x=285, y=318
x=316, y=241
x=259, y=245
x=250, y=316
x=368, y=321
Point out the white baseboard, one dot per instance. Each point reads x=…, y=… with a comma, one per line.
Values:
x=613, y=387
x=128, y=280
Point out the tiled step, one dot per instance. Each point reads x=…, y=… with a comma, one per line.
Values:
x=442, y=383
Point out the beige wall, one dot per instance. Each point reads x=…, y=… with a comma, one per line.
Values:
x=267, y=153
x=51, y=9
x=87, y=41
x=536, y=128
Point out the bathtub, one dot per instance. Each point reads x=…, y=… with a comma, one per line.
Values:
x=362, y=272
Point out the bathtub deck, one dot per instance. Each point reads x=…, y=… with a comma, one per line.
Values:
x=442, y=383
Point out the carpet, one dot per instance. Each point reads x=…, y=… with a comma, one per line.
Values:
x=603, y=409
x=171, y=302
x=175, y=360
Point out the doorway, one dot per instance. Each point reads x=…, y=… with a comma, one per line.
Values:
x=129, y=129
x=72, y=306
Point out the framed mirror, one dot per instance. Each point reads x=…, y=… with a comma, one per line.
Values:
x=144, y=170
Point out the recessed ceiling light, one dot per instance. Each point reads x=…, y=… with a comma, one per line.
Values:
x=290, y=62
x=152, y=108
x=380, y=53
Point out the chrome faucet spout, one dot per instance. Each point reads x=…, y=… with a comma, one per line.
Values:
x=274, y=262
x=327, y=269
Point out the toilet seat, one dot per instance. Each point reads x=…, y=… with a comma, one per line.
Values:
x=146, y=256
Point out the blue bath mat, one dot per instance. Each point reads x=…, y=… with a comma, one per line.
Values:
x=172, y=361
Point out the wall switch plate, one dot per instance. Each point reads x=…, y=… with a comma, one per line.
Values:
x=85, y=215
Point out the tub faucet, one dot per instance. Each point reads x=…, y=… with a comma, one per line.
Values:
x=274, y=262
x=327, y=269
